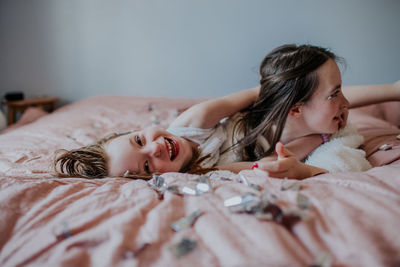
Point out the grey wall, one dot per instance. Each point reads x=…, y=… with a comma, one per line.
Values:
x=183, y=48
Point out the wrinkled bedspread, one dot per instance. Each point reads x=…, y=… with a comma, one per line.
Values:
x=346, y=219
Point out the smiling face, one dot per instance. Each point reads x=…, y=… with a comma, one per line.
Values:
x=148, y=151
x=327, y=110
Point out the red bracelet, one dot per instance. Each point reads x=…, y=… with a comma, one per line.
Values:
x=255, y=165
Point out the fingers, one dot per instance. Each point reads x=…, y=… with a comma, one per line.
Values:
x=274, y=166
x=280, y=150
x=281, y=174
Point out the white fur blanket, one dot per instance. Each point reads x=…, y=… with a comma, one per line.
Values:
x=341, y=153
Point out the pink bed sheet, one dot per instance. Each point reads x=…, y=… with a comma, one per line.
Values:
x=351, y=219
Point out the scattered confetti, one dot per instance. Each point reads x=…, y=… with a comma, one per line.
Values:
x=62, y=231
x=186, y=222
x=188, y=191
x=255, y=187
x=286, y=186
x=203, y=185
x=183, y=247
x=198, y=186
x=158, y=184
x=262, y=208
x=385, y=147
x=174, y=189
x=243, y=179
x=303, y=202
x=242, y=203
x=155, y=120
x=324, y=259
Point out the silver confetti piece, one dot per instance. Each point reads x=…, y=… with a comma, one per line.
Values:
x=186, y=222
x=398, y=137
x=264, y=216
x=155, y=120
x=286, y=186
x=299, y=213
x=183, y=247
x=242, y=203
x=385, y=147
x=189, y=191
x=233, y=201
x=153, y=186
x=324, y=259
x=203, y=185
x=159, y=181
x=243, y=179
x=198, y=186
x=255, y=187
x=303, y=202
x=202, y=188
x=158, y=184
x=173, y=189
x=268, y=197
x=63, y=230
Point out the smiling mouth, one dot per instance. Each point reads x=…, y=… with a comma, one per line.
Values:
x=172, y=147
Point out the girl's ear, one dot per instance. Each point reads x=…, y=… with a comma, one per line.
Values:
x=295, y=110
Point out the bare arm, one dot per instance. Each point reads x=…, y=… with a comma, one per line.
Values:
x=361, y=95
x=236, y=166
x=208, y=113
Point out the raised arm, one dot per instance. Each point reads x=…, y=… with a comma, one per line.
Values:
x=208, y=113
x=361, y=95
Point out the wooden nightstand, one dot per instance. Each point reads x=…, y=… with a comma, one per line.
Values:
x=46, y=103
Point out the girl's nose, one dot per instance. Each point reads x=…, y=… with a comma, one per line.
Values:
x=345, y=102
x=154, y=149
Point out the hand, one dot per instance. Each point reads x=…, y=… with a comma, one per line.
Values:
x=286, y=165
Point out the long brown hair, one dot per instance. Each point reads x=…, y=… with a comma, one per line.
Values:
x=288, y=76
x=91, y=161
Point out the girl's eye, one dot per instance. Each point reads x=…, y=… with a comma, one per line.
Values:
x=146, y=167
x=138, y=140
x=335, y=94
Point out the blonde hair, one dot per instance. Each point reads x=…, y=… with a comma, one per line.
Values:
x=91, y=162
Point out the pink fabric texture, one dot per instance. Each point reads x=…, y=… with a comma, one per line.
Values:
x=351, y=220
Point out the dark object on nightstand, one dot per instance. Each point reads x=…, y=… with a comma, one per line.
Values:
x=14, y=96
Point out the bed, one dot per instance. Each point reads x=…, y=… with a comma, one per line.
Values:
x=176, y=219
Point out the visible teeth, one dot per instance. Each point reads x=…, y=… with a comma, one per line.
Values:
x=169, y=149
